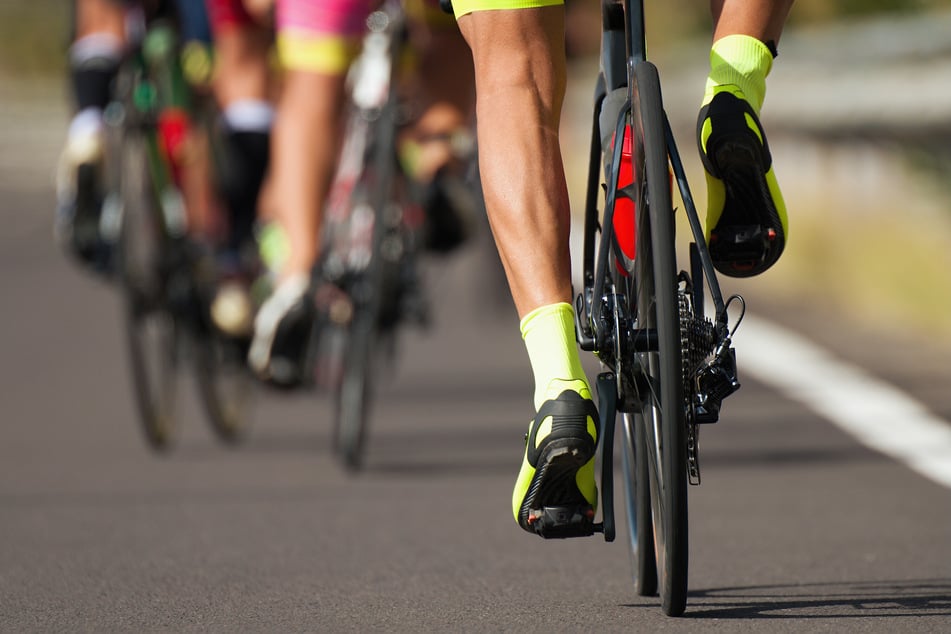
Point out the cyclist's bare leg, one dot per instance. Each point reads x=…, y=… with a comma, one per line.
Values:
x=241, y=64
x=93, y=63
x=762, y=19
x=94, y=59
x=262, y=10
x=205, y=224
x=304, y=152
x=100, y=16
x=521, y=90
x=316, y=42
x=242, y=87
x=520, y=70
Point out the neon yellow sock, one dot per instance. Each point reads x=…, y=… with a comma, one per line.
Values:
x=742, y=62
x=549, y=335
x=273, y=246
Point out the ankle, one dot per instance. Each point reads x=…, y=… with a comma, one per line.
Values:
x=549, y=336
x=557, y=386
x=739, y=64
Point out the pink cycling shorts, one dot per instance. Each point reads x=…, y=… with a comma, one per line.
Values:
x=324, y=35
x=321, y=36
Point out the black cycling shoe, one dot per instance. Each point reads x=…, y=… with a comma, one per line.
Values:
x=555, y=495
x=79, y=216
x=746, y=215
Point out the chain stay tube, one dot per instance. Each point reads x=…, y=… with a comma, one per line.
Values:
x=692, y=217
x=608, y=224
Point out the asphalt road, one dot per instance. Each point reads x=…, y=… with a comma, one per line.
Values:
x=796, y=526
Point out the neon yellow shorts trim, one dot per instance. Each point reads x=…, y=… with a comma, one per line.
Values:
x=327, y=55
x=462, y=7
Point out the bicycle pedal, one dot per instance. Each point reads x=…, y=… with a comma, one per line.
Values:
x=560, y=522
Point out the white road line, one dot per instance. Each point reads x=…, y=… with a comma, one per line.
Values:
x=876, y=413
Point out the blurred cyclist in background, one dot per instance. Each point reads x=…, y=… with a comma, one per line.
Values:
x=317, y=42
x=102, y=31
x=94, y=57
x=241, y=81
x=243, y=84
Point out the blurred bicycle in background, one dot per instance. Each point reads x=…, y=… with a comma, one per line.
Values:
x=379, y=222
x=150, y=192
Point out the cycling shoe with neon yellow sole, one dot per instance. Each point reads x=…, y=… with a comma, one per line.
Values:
x=555, y=495
x=746, y=215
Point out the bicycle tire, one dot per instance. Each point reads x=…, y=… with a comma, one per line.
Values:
x=153, y=334
x=368, y=289
x=637, y=501
x=354, y=395
x=662, y=413
x=224, y=385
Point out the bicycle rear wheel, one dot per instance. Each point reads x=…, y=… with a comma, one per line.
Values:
x=224, y=385
x=153, y=334
x=637, y=486
x=662, y=416
x=354, y=394
x=370, y=288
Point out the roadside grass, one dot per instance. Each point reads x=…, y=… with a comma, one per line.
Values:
x=34, y=37
x=875, y=251
x=883, y=269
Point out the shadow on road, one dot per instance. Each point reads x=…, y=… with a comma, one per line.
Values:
x=850, y=599
x=778, y=456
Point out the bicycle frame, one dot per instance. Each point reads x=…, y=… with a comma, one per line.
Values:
x=623, y=34
x=370, y=237
x=623, y=48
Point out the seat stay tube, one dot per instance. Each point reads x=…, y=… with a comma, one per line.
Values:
x=695, y=228
x=592, y=190
x=614, y=49
x=607, y=226
x=584, y=307
x=636, y=37
x=613, y=76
